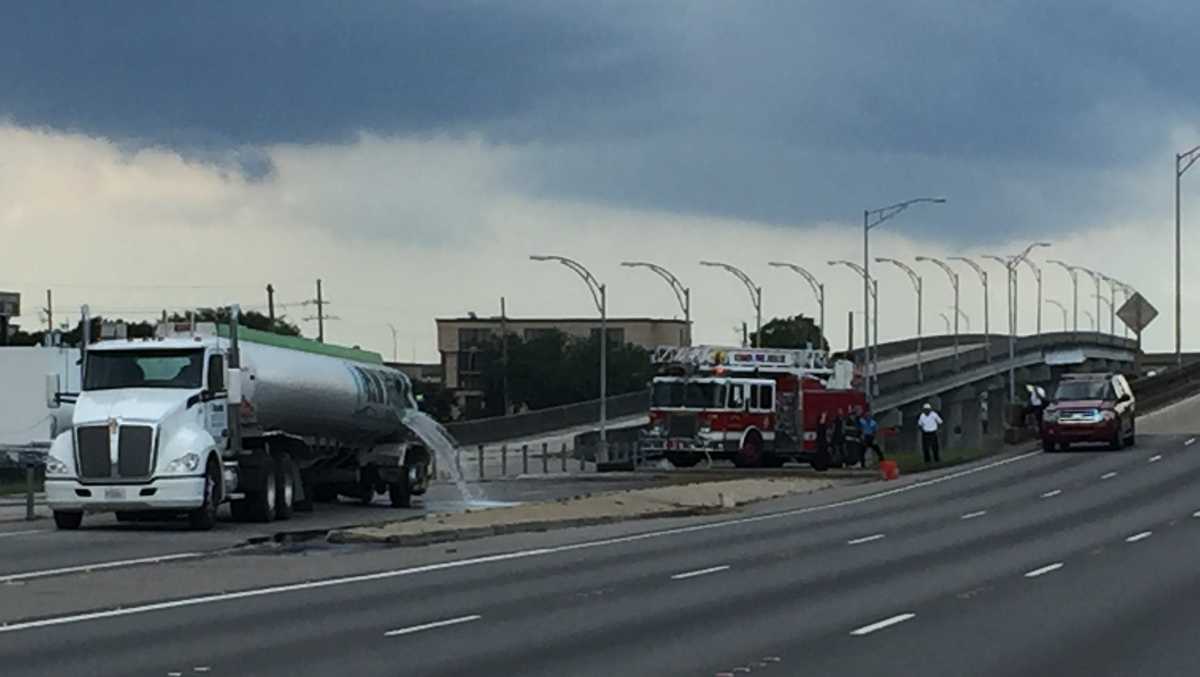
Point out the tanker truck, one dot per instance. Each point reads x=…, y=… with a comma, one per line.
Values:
x=201, y=415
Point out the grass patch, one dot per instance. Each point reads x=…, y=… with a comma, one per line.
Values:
x=914, y=461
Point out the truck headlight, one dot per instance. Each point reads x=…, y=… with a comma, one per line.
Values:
x=189, y=462
x=1108, y=414
x=56, y=468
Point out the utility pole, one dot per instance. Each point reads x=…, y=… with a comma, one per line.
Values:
x=271, y=302
x=49, y=311
x=320, y=317
x=504, y=356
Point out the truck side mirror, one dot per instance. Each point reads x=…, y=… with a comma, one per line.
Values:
x=233, y=383
x=52, y=388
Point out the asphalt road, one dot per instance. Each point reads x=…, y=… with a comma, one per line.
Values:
x=1060, y=564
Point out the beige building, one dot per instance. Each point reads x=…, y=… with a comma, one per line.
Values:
x=457, y=337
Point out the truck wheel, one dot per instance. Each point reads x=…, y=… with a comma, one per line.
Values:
x=285, y=484
x=683, y=460
x=366, y=485
x=1118, y=442
x=820, y=461
x=1048, y=446
x=751, y=453
x=399, y=494
x=259, y=504
x=68, y=520
x=204, y=518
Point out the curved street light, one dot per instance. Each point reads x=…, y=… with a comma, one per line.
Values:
x=983, y=278
x=946, y=318
x=1183, y=162
x=869, y=382
x=1061, y=307
x=817, y=287
x=682, y=293
x=755, y=295
x=1011, y=264
x=600, y=295
x=962, y=313
x=954, y=284
x=917, y=283
x=1097, y=278
x=1037, y=275
x=871, y=219
x=1091, y=319
x=1073, y=271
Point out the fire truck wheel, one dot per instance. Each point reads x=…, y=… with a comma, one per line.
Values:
x=774, y=461
x=751, y=453
x=680, y=460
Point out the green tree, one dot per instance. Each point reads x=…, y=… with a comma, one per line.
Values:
x=791, y=332
x=251, y=318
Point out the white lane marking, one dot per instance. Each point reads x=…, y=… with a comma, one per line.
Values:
x=1139, y=537
x=7, y=534
x=885, y=623
x=1156, y=458
x=1196, y=514
x=1052, y=494
x=476, y=561
x=430, y=626
x=1108, y=475
x=201, y=668
x=1190, y=442
x=699, y=572
x=96, y=566
x=1044, y=570
x=864, y=539
x=973, y=515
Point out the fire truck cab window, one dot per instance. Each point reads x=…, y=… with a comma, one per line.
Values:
x=764, y=397
x=737, y=400
x=691, y=395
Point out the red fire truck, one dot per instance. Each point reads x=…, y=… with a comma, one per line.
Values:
x=754, y=406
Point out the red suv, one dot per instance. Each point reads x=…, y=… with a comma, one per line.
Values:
x=1089, y=408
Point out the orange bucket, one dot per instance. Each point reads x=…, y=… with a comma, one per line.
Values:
x=889, y=470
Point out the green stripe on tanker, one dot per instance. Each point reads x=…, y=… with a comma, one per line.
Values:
x=301, y=344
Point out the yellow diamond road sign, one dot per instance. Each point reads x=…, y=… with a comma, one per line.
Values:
x=1137, y=313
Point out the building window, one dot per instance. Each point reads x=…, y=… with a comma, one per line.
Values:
x=535, y=333
x=616, y=335
x=473, y=337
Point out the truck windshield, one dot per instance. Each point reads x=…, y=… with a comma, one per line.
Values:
x=109, y=369
x=1083, y=390
x=693, y=394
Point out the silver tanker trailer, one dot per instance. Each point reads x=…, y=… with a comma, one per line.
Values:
x=206, y=414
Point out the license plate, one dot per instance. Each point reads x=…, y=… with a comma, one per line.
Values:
x=115, y=494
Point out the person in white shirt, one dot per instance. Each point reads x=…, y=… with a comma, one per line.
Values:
x=929, y=423
x=1037, y=404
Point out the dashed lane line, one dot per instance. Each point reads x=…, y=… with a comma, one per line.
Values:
x=1041, y=571
x=1108, y=475
x=1139, y=537
x=431, y=626
x=864, y=539
x=699, y=572
x=973, y=515
x=1155, y=458
x=880, y=625
x=1052, y=493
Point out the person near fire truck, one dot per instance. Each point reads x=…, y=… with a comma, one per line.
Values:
x=870, y=428
x=929, y=423
x=823, y=435
x=839, y=437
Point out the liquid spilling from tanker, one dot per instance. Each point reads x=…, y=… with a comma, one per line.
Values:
x=439, y=440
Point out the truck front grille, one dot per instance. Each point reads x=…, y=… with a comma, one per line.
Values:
x=94, y=457
x=135, y=453
x=682, y=425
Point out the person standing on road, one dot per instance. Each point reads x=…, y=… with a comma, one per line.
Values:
x=930, y=423
x=823, y=436
x=870, y=428
x=1037, y=404
x=839, y=438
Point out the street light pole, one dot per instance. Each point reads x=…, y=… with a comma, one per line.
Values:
x=918, y=286
x=1096, y=279
x=1183, y=162
x=1061, y=307
x=817, y=287
x=953, y=283
x=946, y=319
x=682, y=294
x=1037, y=275
x=983, y=278
x=1073, y=271
x=1108, y=303
x=599, y=294
x=873, y=291
x=755, y=295
x=871, y=219
x=1090, y=318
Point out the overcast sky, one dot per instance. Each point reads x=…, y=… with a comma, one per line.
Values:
x=412, y=154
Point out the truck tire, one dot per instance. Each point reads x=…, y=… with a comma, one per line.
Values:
x=366, y=485
x=259, y=503
x=680, y=460
x=820, y=461
x=285, y=484
x=67, y=520
x=204, y=518
x=750, y=455
x=400, y=494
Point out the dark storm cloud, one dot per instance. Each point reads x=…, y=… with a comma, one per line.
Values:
x=1023, y=113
